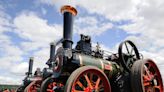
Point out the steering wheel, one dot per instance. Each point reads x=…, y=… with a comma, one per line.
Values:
x=128, y=54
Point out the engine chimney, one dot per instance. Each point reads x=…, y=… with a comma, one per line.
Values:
x=52, y=50
x=30, y=66
x=52, y=54
x=68, y=13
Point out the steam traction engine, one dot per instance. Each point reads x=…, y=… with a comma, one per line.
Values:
x=31, y=82
x=82, y=69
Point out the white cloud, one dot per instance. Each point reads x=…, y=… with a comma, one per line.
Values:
x=150, y=22
x=49, y=2
x=31, y=27
x=4, y=20
x=36, y=30
x=41, y=58
x=19, y=68
x=112, y=9
x=91, y=26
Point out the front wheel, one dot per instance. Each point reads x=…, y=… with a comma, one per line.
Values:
x=146, y=77
x=34, y=86
x=88, y=79
x=51, y=85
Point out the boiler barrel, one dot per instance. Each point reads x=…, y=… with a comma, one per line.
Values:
x=107, y=66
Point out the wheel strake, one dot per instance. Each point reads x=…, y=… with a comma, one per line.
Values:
x=88, y=80
x=145, y=77
x=151, y=78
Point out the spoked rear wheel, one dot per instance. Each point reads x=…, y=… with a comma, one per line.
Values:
x=87, y=79
x=145, y=77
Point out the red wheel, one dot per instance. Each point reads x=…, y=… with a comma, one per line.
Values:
x=88, y=79
x=145, y=77
x=33, y=86
x=50, y=85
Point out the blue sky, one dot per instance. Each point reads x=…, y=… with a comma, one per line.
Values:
x=28, y=26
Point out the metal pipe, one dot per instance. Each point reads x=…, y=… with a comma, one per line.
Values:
x=30, y=66
x=68, y=13
x=52, y=50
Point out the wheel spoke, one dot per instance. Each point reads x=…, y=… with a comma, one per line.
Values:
x=80, y=84
x=149, y=66
x=128, y=62
x=131, y=52
x=101, y=86
x=147, y=83
x=157, y=87
x=50, y=90
x=49, y=86
x=77, y=91
x=97, y=83
x=88, y=81
x=147, y=71
x=54, y=84
x=127, y=48
x=146, y=78
x=91, y=76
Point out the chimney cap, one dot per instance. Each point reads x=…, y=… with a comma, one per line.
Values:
x=68, y=8
x=52, y=43
x=31, y=58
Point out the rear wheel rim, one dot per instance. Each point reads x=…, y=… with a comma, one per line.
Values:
x=90, y=81
x=151, y=78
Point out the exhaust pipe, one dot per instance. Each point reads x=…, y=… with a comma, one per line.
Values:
x=68, y=14
x=52, y=50
x=52, y=54
x=30, y=66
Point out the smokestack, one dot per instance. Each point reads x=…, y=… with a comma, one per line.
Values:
x=30, y=66
x=52, y=50
x=68, y=13
x=52, y=54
